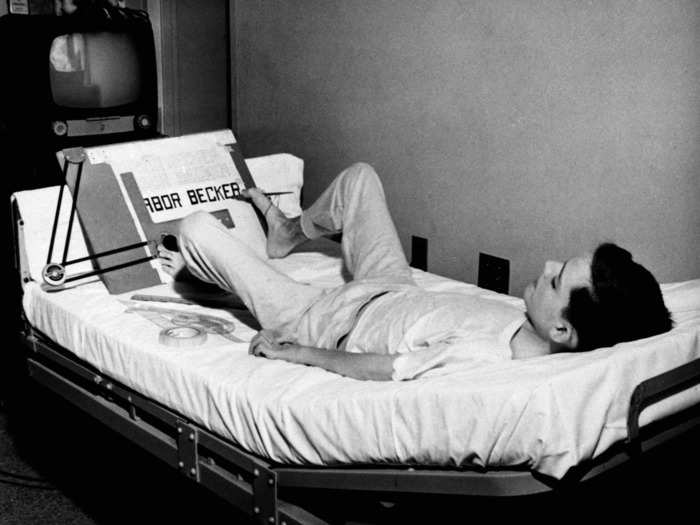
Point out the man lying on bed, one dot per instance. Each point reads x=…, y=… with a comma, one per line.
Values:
x=382, y=326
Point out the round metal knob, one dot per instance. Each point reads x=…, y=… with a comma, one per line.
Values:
x=54, y=274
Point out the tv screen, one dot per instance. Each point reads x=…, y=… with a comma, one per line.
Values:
x=97, y=70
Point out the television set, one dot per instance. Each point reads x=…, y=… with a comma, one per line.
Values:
x=77, y=80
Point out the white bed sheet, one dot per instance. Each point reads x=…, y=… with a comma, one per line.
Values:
x=546, y=413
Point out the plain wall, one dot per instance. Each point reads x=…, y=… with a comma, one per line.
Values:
x=198, y=84
x=524, y=129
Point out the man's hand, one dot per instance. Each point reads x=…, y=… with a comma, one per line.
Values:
x=368, y=366
x=270, y=344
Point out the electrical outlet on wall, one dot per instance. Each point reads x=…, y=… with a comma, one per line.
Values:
x=419, y=252
x=494, y=273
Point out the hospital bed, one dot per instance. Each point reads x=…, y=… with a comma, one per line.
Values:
x=254, y=431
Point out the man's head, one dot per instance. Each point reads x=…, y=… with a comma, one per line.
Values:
x=595, y=301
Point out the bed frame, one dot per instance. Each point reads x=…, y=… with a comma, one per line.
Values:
x=259, y=487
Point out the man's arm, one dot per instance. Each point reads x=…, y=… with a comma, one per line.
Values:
x=366, y=366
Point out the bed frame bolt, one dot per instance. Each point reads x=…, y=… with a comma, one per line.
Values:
x=256, y=472
x=180, y=464
x=97, y=380
x=271, y=481
x=193, y=471
x=191, y=436
x=108, y=386
x=256, y=510
x=271, y=519
x=179, y=430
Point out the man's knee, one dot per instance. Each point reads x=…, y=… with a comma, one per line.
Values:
x=197, y=224
x=363, y=173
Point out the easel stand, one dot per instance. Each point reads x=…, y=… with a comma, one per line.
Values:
x=54, y=274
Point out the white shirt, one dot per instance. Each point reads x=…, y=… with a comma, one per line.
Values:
x=435, y=329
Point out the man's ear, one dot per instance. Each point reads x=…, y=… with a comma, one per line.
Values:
x=564, y=334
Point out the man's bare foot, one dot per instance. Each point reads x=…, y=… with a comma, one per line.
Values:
x=173, y=263
x=283, y=234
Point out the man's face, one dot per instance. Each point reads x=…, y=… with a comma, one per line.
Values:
x=548, y=295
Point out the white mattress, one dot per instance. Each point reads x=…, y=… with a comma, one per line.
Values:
x=546, y=413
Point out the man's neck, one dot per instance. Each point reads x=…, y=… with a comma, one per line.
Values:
x=527, y=343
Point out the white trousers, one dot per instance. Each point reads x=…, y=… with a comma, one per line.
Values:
x=353, y=204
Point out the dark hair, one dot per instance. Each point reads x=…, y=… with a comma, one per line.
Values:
x=624, y=302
